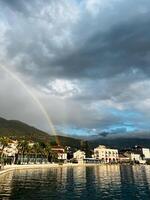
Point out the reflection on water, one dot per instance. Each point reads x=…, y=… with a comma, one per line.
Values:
x=6, y=185
x=69, y=183
x=108, y=180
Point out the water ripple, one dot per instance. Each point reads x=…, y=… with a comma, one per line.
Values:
x=96, y=182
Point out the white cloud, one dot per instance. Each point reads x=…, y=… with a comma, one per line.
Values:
x=96, y=6
x=63, y=88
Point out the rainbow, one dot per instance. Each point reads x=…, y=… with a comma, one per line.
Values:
x=35, y=99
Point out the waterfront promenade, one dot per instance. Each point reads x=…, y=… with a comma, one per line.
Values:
x=9, y=168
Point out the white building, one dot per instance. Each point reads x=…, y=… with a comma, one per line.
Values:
x=11, y=149
x=106, y=155
x=146, y=153
x=137, y=158
x=62, y=156
x=79, y=156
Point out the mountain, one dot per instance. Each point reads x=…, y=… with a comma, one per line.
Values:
x=120, y=142
x=19, y=130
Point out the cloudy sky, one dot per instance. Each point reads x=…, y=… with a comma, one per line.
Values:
x=85, y=63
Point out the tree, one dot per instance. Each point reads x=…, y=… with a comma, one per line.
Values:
x=28, y=152
x=54, y=156
x=4, y=143
x=84, y=146
x=48, y=152
x=37, y=150
x=53, y=143
x=23, y=147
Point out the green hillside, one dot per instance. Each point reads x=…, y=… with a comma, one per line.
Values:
x=19, y=130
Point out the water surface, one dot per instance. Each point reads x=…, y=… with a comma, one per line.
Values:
x=80, y=182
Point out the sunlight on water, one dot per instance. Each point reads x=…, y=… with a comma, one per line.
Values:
x=67, y=183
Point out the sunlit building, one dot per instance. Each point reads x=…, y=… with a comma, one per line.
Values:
x=79, y=156
x=137, y=158
x=135, y=155
x=106, y=155
x=146, y=153
x=11, y=149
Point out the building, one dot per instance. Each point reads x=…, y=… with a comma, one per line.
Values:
x=11, y=149
x=123, y=158
x=136, y=157
x=60, y=152
x=146, y=153
x=106, y=155
x=79, y=156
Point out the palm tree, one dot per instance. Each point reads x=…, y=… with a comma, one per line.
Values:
x=54, y=156
x=23, y=147
x=37, y=150
x=28, y=152
x=48, y=152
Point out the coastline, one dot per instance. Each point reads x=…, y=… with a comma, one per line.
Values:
x=9, y=168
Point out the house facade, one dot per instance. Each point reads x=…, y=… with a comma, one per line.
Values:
x=11, y=149
x=79, y=156
x=60, y=151
x=146, y=153
x=106, y=155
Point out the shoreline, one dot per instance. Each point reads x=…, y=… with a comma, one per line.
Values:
x=9, y=168
x=39, y=166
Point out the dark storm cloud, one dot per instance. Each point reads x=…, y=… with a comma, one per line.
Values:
x=25, y=7
x=122, y=49
x=17, y=5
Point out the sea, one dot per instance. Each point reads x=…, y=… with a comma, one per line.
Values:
x=96, y=182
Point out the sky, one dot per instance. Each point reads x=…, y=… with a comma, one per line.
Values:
x=84, y=63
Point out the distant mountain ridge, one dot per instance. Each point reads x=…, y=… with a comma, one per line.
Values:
x=121, y=142
x=19, y=130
